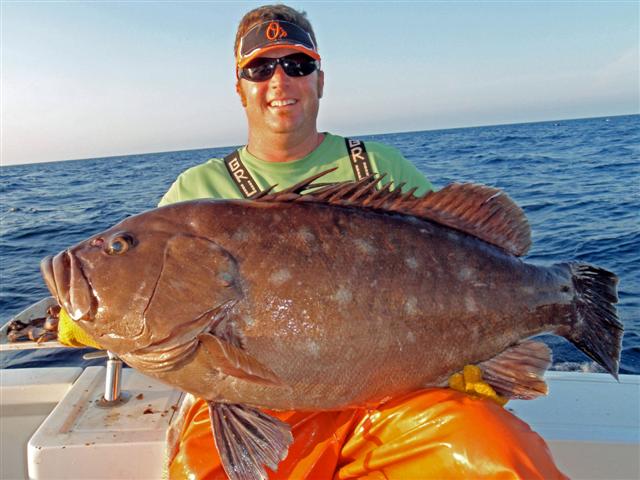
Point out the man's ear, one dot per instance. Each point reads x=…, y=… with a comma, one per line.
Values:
x=243, y=99
x=320, y=83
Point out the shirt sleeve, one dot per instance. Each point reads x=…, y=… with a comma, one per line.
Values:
x=172, y=195
x=208, y=180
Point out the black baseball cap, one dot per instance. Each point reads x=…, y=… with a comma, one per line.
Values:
x=272, y=35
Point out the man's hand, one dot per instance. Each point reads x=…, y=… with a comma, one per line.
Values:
x=470, y=381
x=70, y=333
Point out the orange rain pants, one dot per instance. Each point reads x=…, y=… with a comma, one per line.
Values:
x=433, y=433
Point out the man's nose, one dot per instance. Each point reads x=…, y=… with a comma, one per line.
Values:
x=279, y=76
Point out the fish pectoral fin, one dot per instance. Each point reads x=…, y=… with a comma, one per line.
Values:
x=248, y=439
x=234, y=361
x=518, y=371
x=197, y=277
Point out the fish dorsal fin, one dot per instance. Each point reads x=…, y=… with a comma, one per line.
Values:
x=484, y=212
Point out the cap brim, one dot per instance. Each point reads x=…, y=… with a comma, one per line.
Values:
x=261, y=51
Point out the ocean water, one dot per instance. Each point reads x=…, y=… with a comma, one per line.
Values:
x=577, y=180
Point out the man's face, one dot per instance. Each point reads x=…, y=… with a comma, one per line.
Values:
x=282, y=104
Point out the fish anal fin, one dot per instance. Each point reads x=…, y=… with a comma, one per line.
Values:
x=248, y=440
x=518, y=371
x=484, y=212
x=232, y=360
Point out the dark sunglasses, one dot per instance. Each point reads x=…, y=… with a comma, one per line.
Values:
x=295, y=65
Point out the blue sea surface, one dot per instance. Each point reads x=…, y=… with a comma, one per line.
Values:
x=577, y=180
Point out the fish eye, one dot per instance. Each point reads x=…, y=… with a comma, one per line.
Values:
x=119, y=245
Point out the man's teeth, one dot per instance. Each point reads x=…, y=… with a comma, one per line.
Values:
x=281, y=103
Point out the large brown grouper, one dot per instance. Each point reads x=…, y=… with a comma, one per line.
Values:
x=337, y=298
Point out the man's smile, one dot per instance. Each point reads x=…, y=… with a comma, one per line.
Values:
x=284, y=102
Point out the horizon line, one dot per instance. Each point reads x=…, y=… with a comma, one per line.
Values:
x=361, y=135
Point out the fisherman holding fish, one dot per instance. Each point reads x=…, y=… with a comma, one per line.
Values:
x=460, y=432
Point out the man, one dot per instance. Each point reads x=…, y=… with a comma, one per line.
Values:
x=433, y=433
x=284, y=144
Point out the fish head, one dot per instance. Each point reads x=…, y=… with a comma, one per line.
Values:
x=153, y=280
x=105, y=282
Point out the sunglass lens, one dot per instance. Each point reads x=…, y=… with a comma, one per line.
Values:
x=298, y=65
x=259, y=70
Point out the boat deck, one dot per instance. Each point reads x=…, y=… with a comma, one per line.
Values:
x=53, y=428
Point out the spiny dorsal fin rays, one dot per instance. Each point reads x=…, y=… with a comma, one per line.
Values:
x=262, y=194
x=406, y=198
x=307, y=183
x=348, y=193
x=478, y=210
x=269, y=195
x=344, y=193
x=365, y=189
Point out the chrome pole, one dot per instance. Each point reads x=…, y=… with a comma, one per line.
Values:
x=113, y=378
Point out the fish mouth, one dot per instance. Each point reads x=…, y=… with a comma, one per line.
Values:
x=68, y=284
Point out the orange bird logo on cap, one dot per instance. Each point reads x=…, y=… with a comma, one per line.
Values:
x=275, y=31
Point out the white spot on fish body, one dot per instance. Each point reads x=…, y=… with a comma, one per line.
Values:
x=411, y=337
x=280, y=276
x=411, y=262
x=465, y=274
x=470, y=304
x=364, y=246
x=306, y=235
x=313, y=348
x=343, y=295
x=240, y=235
x=411, y=306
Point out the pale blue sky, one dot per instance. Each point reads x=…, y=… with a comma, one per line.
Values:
x=93, y=79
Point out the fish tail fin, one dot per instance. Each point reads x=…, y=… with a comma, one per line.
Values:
x=594, y=326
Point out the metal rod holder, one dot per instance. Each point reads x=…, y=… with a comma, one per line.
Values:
x=112, y=383
x=113, y=378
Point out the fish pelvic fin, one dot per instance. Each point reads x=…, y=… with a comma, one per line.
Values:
x=518, y=371
x=484, y=212
x=234, y=361
x=248, y=439
x=593, y=325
